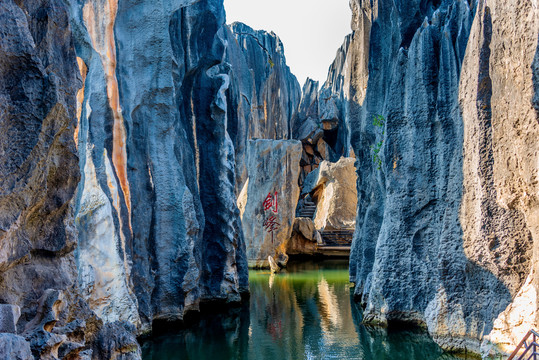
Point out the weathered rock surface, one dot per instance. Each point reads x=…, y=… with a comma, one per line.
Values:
x=326, y=109
x=303, y=240
x=159, y=231
x=9, y=315
x=270, y=200
x=309, y=128
x=38, y=162
x=447, y=213
x=116, y=341
x=500, y=204
x=14, y=347
x=152, y=229
x=263, y=94
x=333, y=189
x=305, y=123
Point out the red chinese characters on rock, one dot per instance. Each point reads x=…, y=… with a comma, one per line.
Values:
x=270, y=223
x=271, y=202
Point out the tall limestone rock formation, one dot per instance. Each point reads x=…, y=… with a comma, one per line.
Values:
x=263, y=95
x=156, y=207
x=446, y=229
x=136, y=89
x=263, y=98
x=38, y=159
x=39, y=174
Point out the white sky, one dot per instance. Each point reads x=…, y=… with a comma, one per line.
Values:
x=311, y=30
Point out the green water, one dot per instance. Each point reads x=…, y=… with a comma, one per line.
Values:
x=305, y=313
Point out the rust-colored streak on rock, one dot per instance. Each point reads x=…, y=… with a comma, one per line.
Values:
x=80, y=98
x=266, y=114
x=97, y=18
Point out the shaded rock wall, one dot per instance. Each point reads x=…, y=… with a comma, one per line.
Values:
x=38, y=159
x=447, y=220
x=39, y=174
x=155, y=208
x=307, y=127
x=263, y=95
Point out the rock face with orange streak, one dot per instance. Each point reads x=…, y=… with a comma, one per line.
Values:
x=38, y=159
x=39, y=173
x=152, y=229
x=159, y=229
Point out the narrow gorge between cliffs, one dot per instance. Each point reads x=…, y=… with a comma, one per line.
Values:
x=168, y=189
x=306, y=313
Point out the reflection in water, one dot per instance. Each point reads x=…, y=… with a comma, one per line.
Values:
x=303, y=313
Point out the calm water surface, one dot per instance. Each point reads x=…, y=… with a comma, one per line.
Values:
x=305, y=313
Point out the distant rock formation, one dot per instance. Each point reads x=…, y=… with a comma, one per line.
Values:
x=333, y=189
x=447, y=209
x=307, y=127
x=263, y=94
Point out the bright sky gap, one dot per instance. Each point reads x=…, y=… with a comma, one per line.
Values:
x=311, y=30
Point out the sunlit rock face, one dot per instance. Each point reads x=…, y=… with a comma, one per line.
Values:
x=335, y=195
x=500, y=208
x=263, y=94
x=303, y=240
x=38, y=160
x=269, y=198
x=447, y=212
x=155, y=209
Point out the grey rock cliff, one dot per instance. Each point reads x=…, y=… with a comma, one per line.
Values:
x=446, y=218
x=152, y=229
x=38, y=160
x=39, y=174
x=269, y=198
x=263, y=95
x=156, y=208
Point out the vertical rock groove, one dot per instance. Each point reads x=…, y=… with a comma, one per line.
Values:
x=449, y=214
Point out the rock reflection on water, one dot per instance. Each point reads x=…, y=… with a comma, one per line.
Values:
x=303, y=313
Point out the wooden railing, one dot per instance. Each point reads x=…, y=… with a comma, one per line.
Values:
x=527, y=345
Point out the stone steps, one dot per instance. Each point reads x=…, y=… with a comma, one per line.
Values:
x=308, y=210
x=337, y=237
